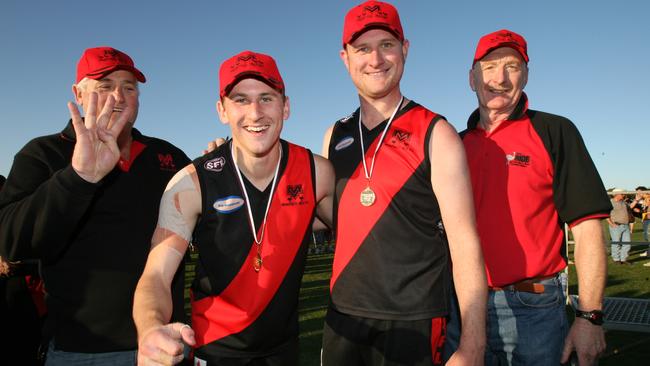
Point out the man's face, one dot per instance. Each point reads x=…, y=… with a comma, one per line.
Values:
x=499, y=80
x=375, y=62
x=121, y=84
x=255, y=113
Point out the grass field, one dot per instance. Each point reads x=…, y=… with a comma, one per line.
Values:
x=623, y=348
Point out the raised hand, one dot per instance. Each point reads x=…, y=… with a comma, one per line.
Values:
x=215, y=144
x=96, y=151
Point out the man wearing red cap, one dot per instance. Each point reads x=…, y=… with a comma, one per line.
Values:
x=400, y=174
x=248, y=207
x=531, y=173
x=84, y=202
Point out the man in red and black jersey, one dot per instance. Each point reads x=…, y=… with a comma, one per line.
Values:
x=403, y=209
x=84, y=203
x=531, y=173
x=248, y=208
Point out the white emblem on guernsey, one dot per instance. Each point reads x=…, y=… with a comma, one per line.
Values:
x=346, y=118
x=215, y=165
x=347, y=141
x=228, y=204
x=199, y=362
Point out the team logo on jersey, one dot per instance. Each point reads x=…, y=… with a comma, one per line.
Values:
x=228, y=204
x=295, y=195
x=517, y=159
x=347, y=141
x=199, y=362
x=295, y=192
x=399, y=138
x=167, y=162
x=216, y=164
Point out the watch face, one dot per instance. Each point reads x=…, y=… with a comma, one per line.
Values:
x=595, y=317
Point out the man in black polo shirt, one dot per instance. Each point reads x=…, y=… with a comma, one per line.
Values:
x=84, y=201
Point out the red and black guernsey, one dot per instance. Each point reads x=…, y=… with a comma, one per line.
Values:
x=530, y=175
x=235, y=310
x=391, y=259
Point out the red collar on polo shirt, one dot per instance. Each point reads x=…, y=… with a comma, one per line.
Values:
x=136, y=148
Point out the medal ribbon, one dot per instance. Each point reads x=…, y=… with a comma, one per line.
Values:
x=258, y=242
x=381, y=139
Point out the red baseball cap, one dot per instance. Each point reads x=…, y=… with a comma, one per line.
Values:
x=501, y=38
x=249, y=64
x=95, y=63
x=371, y=15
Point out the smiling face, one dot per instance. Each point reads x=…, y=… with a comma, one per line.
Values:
x=375, y=61
x=255, y=113
x=499, y=79
x=121, y=84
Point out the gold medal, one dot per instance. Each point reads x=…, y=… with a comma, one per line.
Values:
x=257, y=262
x=367, y=197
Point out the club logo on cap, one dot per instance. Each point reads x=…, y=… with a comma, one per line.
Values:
x=503, y=37
x=109, y=54
x=372, y=12
x=245, y=60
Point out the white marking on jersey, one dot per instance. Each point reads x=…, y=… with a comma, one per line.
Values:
x=228, y=204
x=347, y=141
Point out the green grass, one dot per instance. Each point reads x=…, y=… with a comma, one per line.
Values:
x=623, y=348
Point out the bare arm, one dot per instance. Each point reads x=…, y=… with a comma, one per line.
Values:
x=452, y=187
x=152, y=306
x=324, y=189
x=324, y=214
x=587, y=339
x=326, y=142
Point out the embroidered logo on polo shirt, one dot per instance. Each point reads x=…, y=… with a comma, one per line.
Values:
x=228, y=204
x=167, y=162
x=517, y=159
x=347, y=141
x=295, y=195
x=216, y=164
x=399, y=138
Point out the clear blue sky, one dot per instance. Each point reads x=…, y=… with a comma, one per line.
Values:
x=589, y=62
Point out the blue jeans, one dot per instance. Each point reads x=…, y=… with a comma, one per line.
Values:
x=620, y=234
x=523, y=328
x=62, y=358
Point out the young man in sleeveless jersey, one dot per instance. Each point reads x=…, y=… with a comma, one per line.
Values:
x=248, y=207
x=403, y=213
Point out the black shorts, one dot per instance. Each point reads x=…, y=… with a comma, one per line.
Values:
x=352, y=340
x=286, y=356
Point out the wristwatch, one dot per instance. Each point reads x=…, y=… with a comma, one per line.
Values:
x=596, y=317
